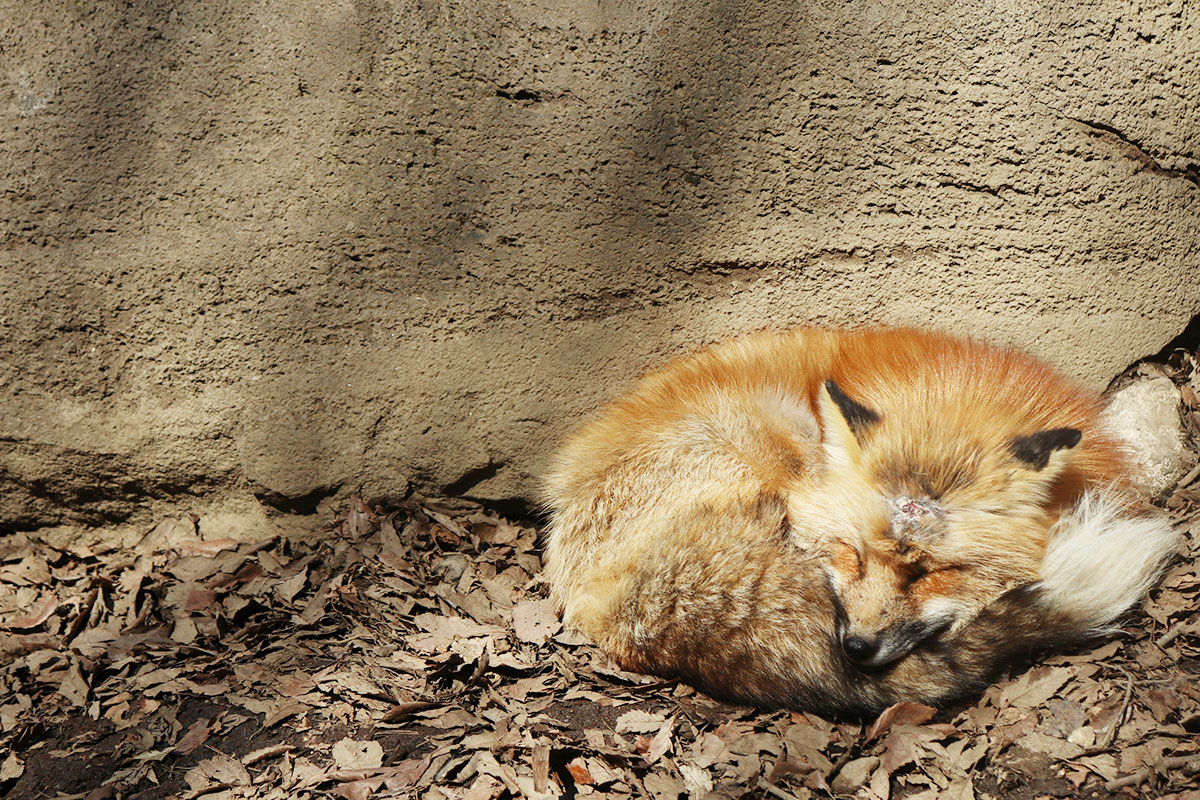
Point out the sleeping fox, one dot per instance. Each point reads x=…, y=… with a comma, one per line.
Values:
x=841, y=520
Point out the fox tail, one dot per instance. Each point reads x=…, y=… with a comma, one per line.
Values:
x=1102, y=557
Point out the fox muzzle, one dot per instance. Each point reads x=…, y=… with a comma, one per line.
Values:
x=879, y=649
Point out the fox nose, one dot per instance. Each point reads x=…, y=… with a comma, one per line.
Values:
x=859, y=649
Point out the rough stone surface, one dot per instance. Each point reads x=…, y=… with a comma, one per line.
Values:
x=1146, y=415
x=296, y=249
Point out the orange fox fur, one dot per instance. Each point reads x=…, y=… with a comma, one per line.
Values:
x=841, y=520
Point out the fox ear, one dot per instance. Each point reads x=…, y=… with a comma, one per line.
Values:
x=1037, y=450
x=843, y=421
x=857, y=416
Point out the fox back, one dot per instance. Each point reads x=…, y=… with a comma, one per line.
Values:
x=840, y=520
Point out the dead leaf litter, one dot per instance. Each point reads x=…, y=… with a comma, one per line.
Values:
x=412, y=653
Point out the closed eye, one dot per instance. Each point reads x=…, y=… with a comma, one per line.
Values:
x=848, y=561
x=921, y=573
x=915, y=573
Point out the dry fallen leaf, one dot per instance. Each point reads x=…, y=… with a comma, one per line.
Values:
x=12, y=768
x=194, y=736
x=854, y=774
x=658, y=746
x=535, y=621
x=351, y=754
x=216, y=772
x=579, y=772
x=900, y=714
x=74, y=687
x=208, y=548
x=638, y=721
x=36, y=615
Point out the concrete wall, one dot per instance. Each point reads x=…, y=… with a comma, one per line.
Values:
x=300, y=248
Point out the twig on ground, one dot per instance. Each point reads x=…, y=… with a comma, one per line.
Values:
x=1111, y=736
x=1180, y=627
x=1187, y=479
x=842, y=761
x=1173, y=762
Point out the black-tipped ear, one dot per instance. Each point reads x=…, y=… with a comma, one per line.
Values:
x=1035, y=449
x=857, y=416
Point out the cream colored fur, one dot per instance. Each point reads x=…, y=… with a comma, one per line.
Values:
x=1103, y=557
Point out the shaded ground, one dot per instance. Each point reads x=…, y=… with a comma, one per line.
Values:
x=411, y=653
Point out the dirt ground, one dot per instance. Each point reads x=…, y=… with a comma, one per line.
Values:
x=410, y=652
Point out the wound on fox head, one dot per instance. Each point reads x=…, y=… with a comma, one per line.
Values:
x=913, y=517
x=857, y=416
x=1035, y=449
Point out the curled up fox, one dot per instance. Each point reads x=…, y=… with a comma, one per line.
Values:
x=840, y=520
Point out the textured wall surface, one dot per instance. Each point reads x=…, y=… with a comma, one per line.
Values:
x=300, y=248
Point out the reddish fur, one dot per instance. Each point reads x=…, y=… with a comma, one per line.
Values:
x=695, y=519
x=945, y=583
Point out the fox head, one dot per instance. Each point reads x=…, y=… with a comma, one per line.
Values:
x=929, y=511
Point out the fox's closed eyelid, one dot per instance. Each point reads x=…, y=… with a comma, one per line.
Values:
x=948, y=569
x=921, y=572
x=850, y=558
x=915, y=574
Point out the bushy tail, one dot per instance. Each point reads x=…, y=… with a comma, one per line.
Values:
x=1103, y=556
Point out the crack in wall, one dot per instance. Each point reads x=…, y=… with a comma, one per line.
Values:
x=1190, y=173
x=982, y=188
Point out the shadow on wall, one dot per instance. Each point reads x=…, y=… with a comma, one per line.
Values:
x=1188, y=339
x=663, y=211
x=495, y=168
x=82, y=128
x=318, y=248
x=91, y=116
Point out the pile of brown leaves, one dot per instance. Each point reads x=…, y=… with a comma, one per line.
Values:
x=1183, y=368
x=411, y=653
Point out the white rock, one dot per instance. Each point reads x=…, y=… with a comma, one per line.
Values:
x=1146, y=415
